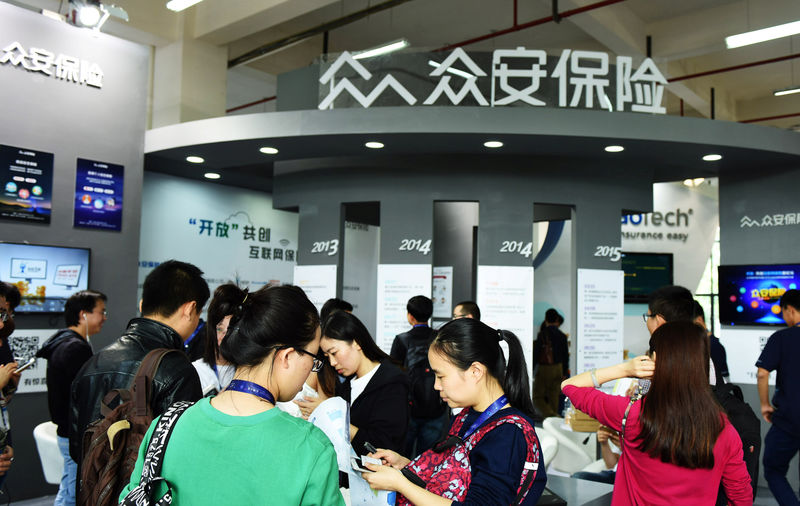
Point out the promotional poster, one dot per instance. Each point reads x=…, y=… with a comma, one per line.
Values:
x=27, y=179
x=98, y=195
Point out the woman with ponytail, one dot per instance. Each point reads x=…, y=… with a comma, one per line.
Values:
x=236, y=448
x=491, y=454
x=677, y=444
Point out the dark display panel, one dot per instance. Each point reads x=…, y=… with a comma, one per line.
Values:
x=645, y=273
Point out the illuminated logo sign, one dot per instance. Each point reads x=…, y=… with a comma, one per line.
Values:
x=61, y=66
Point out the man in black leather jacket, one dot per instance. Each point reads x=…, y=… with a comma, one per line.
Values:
x=173, y=296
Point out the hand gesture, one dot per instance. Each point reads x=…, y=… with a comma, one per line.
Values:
x=7, y=373
x=766, y=412
x=641, y=367
x=5, y=460
x=383, y=477
x=307, y=405
x=390, y=458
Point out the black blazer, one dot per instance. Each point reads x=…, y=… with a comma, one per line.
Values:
x=381, y=411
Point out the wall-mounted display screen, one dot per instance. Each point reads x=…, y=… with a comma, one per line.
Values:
x=45, y=275
x=750, y=294
x=645, y=273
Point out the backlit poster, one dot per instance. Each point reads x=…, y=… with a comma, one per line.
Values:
x=98, y=195
x=27, y=184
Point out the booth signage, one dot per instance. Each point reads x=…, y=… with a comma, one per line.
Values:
x=583, y=79
x=520, y=247
x=66, y=68
x=330, y=247
x=771, y=220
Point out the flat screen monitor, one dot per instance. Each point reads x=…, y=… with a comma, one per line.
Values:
x=750, y=294
x=45, y=275
x=645, y=273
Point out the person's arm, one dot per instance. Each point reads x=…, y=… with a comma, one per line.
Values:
x=639, y=367
x=735, y=479
x=323, y=484
x=763, y=394
x=399, y=350
x=389, y=478
x=604, y=435
x=183, y=385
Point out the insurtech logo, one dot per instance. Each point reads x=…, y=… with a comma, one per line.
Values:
x=675, y=218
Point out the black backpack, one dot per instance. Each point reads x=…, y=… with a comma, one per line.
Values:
x=424, y=400
x=747, y=424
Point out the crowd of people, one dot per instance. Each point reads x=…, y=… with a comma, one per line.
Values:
x=447, y=416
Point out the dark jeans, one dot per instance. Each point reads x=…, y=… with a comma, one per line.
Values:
x=606, y=476
x=779, y=449
x=424, y=432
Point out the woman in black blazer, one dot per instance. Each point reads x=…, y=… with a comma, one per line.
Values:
x=376, y=389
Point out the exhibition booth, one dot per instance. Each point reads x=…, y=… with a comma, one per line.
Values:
x=544, y=219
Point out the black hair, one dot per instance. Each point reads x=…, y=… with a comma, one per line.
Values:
x=170, y=285
x=552, y=316
x=347, y=327
x=269, y=318
x=332, y=305
x=466, y=340
x=227, y=300
x=470, y=307
x=85, y=300
x=673, y=303
x=790, y=298
x=699, y=311
x=420, y=307
x=10, y=292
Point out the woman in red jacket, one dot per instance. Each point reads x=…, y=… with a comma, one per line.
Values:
x=677, y=444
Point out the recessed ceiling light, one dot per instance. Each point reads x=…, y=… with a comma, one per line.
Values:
x=179, y=5
x=194, y=159
x=269, y=150
x=712, y=158
x=211, y=175
x=493, y=144
x=694, y=182
x=614, y=149
x=374, y=145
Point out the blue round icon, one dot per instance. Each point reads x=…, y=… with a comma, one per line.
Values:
x=11, y=187
x=742, y=289
x=739, y=309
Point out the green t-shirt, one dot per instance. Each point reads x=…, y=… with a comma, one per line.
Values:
x=269, y=458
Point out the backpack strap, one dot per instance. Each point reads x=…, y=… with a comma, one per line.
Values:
x=154, y=459
x=531, y=466
x=143, y=381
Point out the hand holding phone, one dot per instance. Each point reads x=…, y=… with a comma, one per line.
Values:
x=24, y=366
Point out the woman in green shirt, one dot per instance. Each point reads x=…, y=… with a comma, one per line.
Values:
x=235, y=448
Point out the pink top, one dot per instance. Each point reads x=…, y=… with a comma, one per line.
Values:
x=642, y=479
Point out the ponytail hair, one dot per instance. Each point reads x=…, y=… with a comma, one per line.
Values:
x=466, y=340
x=266, y=319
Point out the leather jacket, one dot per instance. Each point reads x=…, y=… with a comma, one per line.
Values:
x=115, y=366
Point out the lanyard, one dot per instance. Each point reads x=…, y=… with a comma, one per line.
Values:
x=251, y=388
x=420, y=325
x=492, y=409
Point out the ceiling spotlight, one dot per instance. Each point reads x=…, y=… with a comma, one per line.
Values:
x=493, y=144
x=389, y=47
x=211, y=175
x=763, y=35
x=89, y=15
x=786, y=91
x=694, y=182
x=179, y=5
x=614, y=149
x=374, y=145
x=269, y=150
x=195, y=159
x=712, y=158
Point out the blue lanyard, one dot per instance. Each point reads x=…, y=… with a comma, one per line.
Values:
x=420, y=325
x=251, y=388
x=492, y=409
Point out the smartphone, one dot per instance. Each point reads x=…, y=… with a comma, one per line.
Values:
x=359, y=463
x=25, y=365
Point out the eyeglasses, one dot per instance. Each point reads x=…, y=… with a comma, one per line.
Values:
x=647, y=316
x=316, y=367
